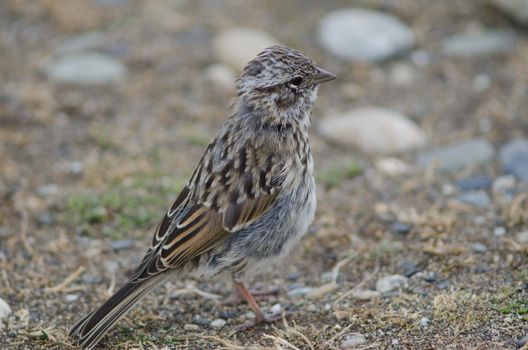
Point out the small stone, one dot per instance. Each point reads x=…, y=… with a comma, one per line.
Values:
x=373, y=130
x=420, y=58
x=395, y=342
x=392, y=166
x=479, y=220
x=482, y=269
x=424, y=322
x=391, y=283
x=365, y=295
x=516, y=9
x=475, y=183
x=86, y=69
x=46, y=219
x=443, y=284
x=48, y=190
x=489, y=42
x=221, y=76
x=431, y=277
x=191, y=327
x=226, y=314
x=499, y=231
x=400, y=228
x=122, y=244
x=71, y=297
x=352, y=341
x=327, y=277
x=250, y=315
x=297, y=292
x=458, y=156
x=237, y=46
x=522, y=237
x=5, y=310
x=75, y=167
x=218, y=323
x=409, y=268
x=479, y=248
x=522, y=341
x=197, y=319
x=294, y=276
x=514, y=158
x=481, y=83
x=276, y=309
x=364, y=35
x=504, y=186
x=448, y=190
x=402, y=74
x=84, y=42
x=479, y=199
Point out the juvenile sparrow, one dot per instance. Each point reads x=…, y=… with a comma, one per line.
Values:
x=250, y=199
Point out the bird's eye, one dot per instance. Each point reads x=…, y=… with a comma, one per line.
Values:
x=296, y=81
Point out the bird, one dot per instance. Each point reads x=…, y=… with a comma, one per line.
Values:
x=250, y=199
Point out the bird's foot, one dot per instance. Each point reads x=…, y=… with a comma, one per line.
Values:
x=237, y=298
x=263, y=318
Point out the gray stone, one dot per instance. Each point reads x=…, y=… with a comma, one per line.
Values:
x=516, y=9
x=475, y=183
x=5, y=311
x=458, y=156
x=276, y=309
x=522, y=341
x=373, y=130
x=237, y=46
x=522, y=237
x=297, y=292
x=391, y=283
x=479, y=247
x=365, y=295
x=400, y=228
x=352, y=341
x=479, y=199
x=191, y=327
x=82, y=42
x=122, y=244
x=424, y=322
x=364, y=35
x=499, y=231
x=86, y=69
x=70, y=298
x=483, y=43
x=514, y=158
x=218, y=323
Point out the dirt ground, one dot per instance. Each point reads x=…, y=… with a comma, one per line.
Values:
x=84, y=170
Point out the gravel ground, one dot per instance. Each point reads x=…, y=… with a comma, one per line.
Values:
x=412, y=258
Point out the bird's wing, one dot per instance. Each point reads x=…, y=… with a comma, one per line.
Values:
x=219, y=199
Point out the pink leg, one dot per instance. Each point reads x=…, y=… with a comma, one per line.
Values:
x=259, y=315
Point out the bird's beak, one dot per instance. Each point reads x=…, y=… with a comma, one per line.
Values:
x=322, y=76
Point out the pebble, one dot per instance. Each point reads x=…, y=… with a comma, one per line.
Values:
x=373, y=130
x=431, y=277
x=488, y=42
x=522, y=237
x=364, y=35
x=420, y=58
x=191, y=327
x=276, y=309
x=48, y=190
x=218, y=323
x=475, y=183
x=327, y=277
x=71, y=297
x=86, y=69
x=459, y=156
x=237, y=46
x=122, y=244
x=499, y=231
x=504, y=186
x=443, y=284
x=351, y=341
x=221, y=76
x=514, y=158
x=297, y=292
x=424, y=322
x=46, y=219
x=482, y=268
x=400, y=228
x=392, y=166
x=409, y=268
x=5, y=310
x=479, y=199
x=365, y=295
x=197, y=319
x=516, y=9
x=479, y=248
x=83, y=42
x=250, y=315
x=294, y=276
x=402, y=74
x=522, y=341
x=391, y=283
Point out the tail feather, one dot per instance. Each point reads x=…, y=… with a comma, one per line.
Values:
x=89, y=330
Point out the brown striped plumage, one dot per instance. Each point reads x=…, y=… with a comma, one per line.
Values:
x=250, y=198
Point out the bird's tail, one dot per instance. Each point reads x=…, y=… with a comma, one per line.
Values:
x=89, y=330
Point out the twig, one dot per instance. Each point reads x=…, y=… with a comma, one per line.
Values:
x=62, y=286
x=24, y=220
x=111, y=287
x=6, y=282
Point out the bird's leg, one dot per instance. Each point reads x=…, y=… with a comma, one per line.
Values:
x=259, y=315
x=257, y=295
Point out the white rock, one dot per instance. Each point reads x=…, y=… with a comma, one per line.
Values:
x=402, y=74
x=373, y=130
x=352, y=341
x=237, y=46
x=424, y=322
x=71, y=297
x=221, y=76
x=218, y=323
x=5, y=310
x=191, y=327
x=86, y=69
x=392, y=166
x=522, y=237
x=276, y=309
x=390, y=283
x=364, y=35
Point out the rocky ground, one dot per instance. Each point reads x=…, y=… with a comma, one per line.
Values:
x=421, y=148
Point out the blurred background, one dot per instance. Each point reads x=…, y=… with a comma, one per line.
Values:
x=421, y=151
